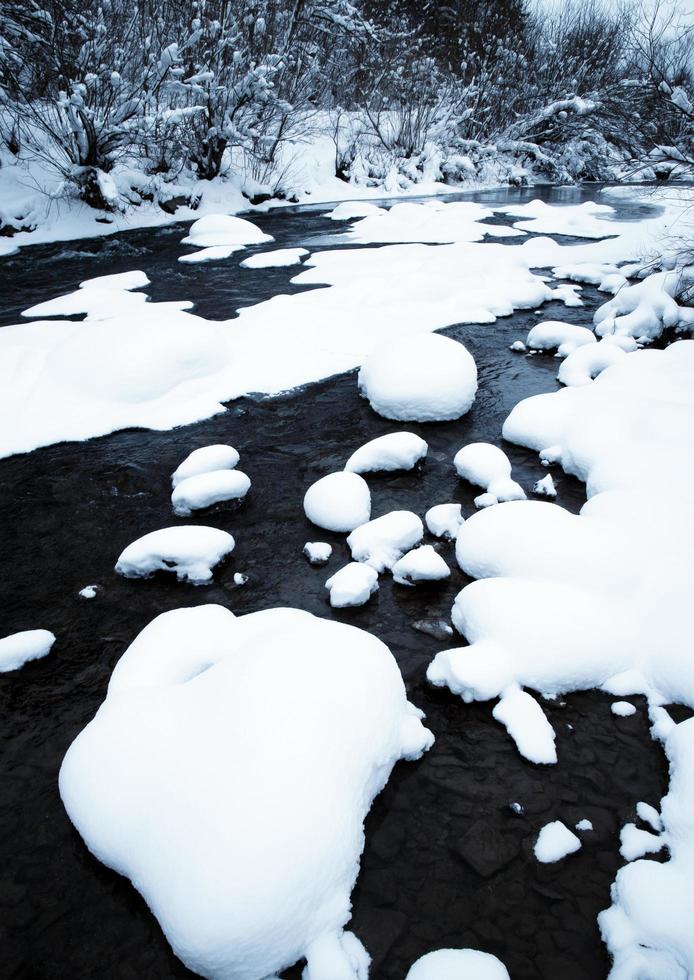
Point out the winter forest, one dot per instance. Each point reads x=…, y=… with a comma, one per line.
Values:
x=347, y=468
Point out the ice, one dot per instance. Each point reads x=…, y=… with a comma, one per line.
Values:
x=190, y=551
x=348, y=210
x=19, y=648
x=338, y=502
x=244, y=837
x=88, y=592
x=425, y=379
x=383, y=541
x=444, y=520
x=554, y=334
x=393, y=451
x=213, y=253
x=423, y=564
x=622, y=708
x=555, y=841
x=649, y=815
x=318, y=552
x=352, y=585
x=489, y=467
x=527, y=724
x=584, y=824
x=585, y=363
x=545, y=487
x=224, y=229
x=207, y=459
x=206, y=489
x=458, y=964
x=635, y=843
x=275, y=259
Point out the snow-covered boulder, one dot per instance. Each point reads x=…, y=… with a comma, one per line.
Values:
x=19, y=648
x=646, y=308
x=545, y=487
x=277, y=258
x=458, y=964
x=348, y=210
x=206, y=489
x=527, y=724
x=385, y=454
x=252, y=868
x=338, y=502
x=554, y=842
x=585, y=363
x=224, y=229
x=206, y=460
x=89, y=592
x=427, y=378
x=318, y=552
x=489, y=467
x=444, y=520
x=352, y=585
x=554, y=334
x=423, y=564
x=381, y=542
x=214, y=253
x=189, y=551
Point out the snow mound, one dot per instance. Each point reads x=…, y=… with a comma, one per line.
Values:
x=206, y=460
x=19, y=648
x=457, y=221
x=605, y=276
x=444, y=520
x=189, y=551
x=318, y=552
x=253, y=867
x=585, y=363
x=545, y=487
x=206, y=489
x=622, y=708
x=214, y=253
x=429, y=378
x=100, y=298
x=381, y=542
x=584, y=825
x=647, y=308
x=352, y=585
x=393, y=451
x=423, y=564
x=527, y=724
x=458, y=964
x=555, y=841
x=275, y=259
x=564, y=337
x=348, y=210
x=224, y=229
x=88, y=592
x=338, y=502
x=587, y=220
x=487, y=466
x=636, y=843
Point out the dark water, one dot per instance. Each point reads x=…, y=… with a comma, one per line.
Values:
x=447, y=862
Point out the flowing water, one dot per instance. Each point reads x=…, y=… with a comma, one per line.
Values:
x=448, y=861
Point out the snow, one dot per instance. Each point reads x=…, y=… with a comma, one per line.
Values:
x=584, y=824
x=458, y=964
x=88, y=592
x=213, y=253
x=240, y=578
x=352, y=585
x=527, y=725
x=348, y=210
x=455, y=221
x=635, y=843
x=224, y=229
x=555, y=841
x=207, y=459
x=206, y=489
x=545, y=487
x=554, y=334
x=587, y=220
x=19, y=648
x=423, y=564
x=649, y=815
x=485, y=500
x=252, y=868
x=622, y=708
x=100, y=298
x=388, y=453
x=275, y=259
x=606, y=277
x=487, y=466
x=318, y=552
x=190, y=551
x=338, y=502
x=425, y=379
x=383, y=541
x=585, y=363
x=444, y=520
x=648, y=307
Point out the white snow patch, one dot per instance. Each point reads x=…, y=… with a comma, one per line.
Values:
x=487, y=466
x=444, y=520
x=527, y=724
x=352, y=585
x=206, y=460
x=348, y=210
x=88, y=592
x=585, y=363
x=545, y=487
x=584, y=824
x=383, y=541
x=213, y=253
x=649, y=815
x=224, y=229
x=554, y=334
x=275, y=259
x=555, y=841
x=338, y=502
x=455, y=221
x=458, y=964
x=189, y=550
x=622, y=708
x=318, y=552
x=206, y=489
x=393, y=451
x=19, y=648
x=648, y=307
x=634, y=843
x=423, y=564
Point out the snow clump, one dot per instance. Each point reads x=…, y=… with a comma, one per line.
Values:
x=647, y=308
x=427, y=378
x=19, y=648
x=391, y=452
x=584, y=824
x=348, y=210
x=383, y=541
x=189, y=551
x=585, y=363
x=564, y=337
x=444, y=520
x=206, y=489
x=224, y=229
x=622, y=708
x=338, y=502
x=352, y=585
x=214, y=253
x=207, y=459
x=527, y=724
x=489, y=467
x=275, y=259
x=253, y=868
x=458, y=964
x=423, y=564
x=318, y=552
x=88, y=592
x=545, y=487
x=555, y=841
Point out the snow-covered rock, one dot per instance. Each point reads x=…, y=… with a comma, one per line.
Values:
x=348, y=210
x=636, y=843
x=487, y=466
x=458, y=964
x=585, y=363
x=88, y=592
x=206, y=460
x=648, y=307
x=213, y=253
x=423, y=564
x=252, y=868
x=206, y=489
x=545, y=487
x=485, y=500
x=444, y=520
x=429, y=378
x=584, y=825
x=352, y=585
x=381, y=542
x=649, y=815
x=393, y=451
x=555, y=841
x=527, y=724
x=277, y=258
x=554, y=334
x=605, y=276
x=338, y=502
x=318, y=552
x=19, y=648
x=224, y=229
x=622, y=708
x=189, y=551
